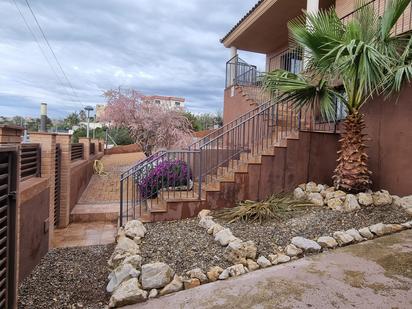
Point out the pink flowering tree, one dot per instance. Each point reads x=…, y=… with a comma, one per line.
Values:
x=152, y=126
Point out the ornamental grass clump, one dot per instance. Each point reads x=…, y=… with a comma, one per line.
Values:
x=276, y=207
x=167, y=174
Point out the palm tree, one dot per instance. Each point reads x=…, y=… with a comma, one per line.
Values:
x=363, y=57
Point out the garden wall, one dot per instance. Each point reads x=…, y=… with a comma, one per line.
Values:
x=34, y=224
x=388, y=125
x=80, y=174
x=123, y=149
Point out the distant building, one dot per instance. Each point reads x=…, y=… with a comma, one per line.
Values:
x=171, y=102
x=100, y=111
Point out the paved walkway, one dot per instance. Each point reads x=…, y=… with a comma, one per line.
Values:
x=94, y=218
x=374, y=274
x=106, y=189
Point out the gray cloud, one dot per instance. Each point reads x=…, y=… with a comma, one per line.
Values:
x=158, y=47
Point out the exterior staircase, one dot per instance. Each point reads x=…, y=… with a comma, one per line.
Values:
x=249, y=158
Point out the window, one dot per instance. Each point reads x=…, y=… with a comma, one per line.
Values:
x=157, y=101
x=177, y=103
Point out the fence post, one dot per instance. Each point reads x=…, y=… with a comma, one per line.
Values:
x=65, y=141
x=86, y=147
x=47, y=143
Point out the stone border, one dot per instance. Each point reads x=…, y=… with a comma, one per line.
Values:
x=131, y=283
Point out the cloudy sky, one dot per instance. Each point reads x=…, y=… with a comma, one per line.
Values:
x=156, y=46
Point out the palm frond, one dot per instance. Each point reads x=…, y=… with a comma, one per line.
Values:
x=303, y=92
x=393, y=11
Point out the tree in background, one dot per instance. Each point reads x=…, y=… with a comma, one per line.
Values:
x=71, y=120
x=151, y=126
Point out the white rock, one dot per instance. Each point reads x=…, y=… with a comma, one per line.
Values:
x=156, y=275
x=397, y=201
x=127, y=293
x=238, y=252
x=365, y=199
x=224, y=274
x=282, y=258
x=320, y=188
x=203, y=213
x=350, y=203
x=224, y=237
x=394, y=228
x=292, y=250
x=335, y=204
x=311, y=187
x=213, y=273
x=252, y=265
x=299, y=194
x=124, y=248
x=237, y=270
x=316, y=199
x=355, y=234
x=122, y=273
x=382, y=198
x=379, y=229
x=305, y=244
x=134, y=260
x=153, y=293
x=174, y=286
x=343, y=238
x=366, y=233
x=198, y=274
x=336, y=194
x=206, y=222
x=325, y=192
x=134, y=228
x=407, y=225
x=215, y=229
x=406, y=202
x=327, y=242
x=263, y=262
x=302, y=186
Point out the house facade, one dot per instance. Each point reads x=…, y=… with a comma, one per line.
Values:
x=165, y=101
x=264, y=30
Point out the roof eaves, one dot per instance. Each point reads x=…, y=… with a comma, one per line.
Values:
x=241, y=20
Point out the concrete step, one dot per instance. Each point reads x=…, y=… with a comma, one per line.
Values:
x=95, y=213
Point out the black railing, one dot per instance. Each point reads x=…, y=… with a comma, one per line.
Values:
x=146, y=186
x=239, y=72
x=57, y=184
x=77, y=152
x=403, y=25
x=30, y=161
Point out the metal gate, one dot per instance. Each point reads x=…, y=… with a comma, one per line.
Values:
x=57, y=184
x=8, y=177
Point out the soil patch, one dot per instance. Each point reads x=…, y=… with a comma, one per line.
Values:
x=312, y=223
x=68, y=278
x=183, y=245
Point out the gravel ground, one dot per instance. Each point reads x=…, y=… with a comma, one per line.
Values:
x=68, y=278
x=311, y=224
x=181, y=244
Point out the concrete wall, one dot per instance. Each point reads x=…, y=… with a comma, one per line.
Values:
x=34, y=224
x=389, y=127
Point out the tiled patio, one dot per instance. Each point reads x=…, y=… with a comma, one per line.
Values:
x=85, y=234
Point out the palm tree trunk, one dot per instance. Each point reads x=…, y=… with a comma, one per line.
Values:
x=352, y=173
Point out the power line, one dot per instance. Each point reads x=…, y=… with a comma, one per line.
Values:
x=40, y=47
x=52, y=51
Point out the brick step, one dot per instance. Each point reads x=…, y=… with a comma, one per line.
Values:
x=101, y=212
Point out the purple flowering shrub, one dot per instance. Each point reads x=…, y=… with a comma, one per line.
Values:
x=165, y=174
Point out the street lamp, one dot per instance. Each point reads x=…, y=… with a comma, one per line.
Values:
x=88, y=109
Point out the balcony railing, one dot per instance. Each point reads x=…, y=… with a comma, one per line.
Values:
x=403, y=25
x=239, y=72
